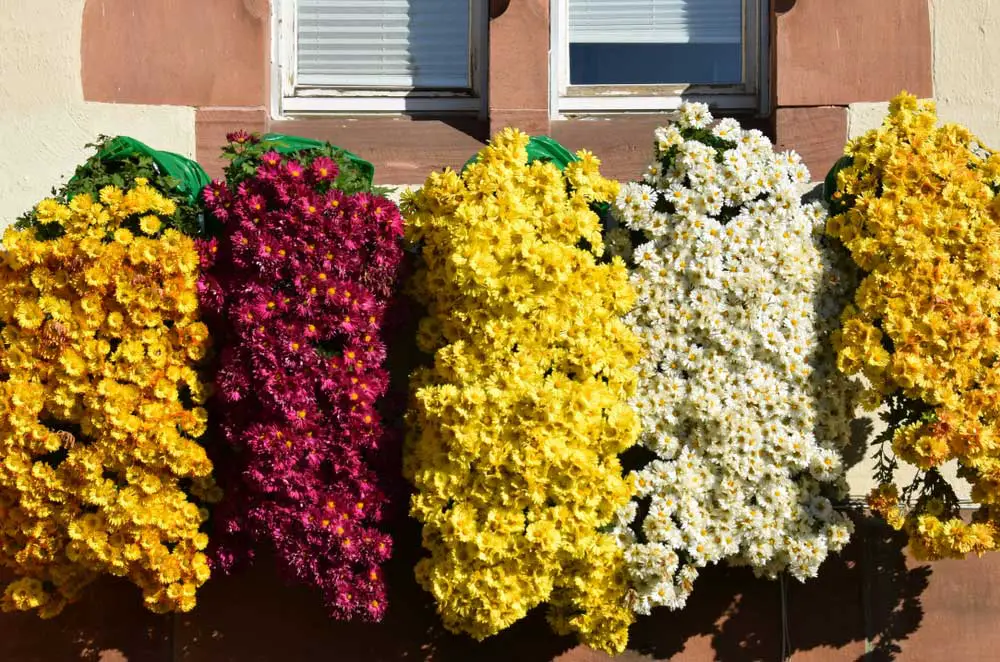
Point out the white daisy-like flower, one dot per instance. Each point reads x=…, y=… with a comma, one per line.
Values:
x=737, y=296
x=667, y=137
x=694, y=115
x=647, y=256
x=726, y=128
x=821, y=508
x=634, y=205
x=653, y=173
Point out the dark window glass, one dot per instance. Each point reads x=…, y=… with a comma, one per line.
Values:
x=655, y=64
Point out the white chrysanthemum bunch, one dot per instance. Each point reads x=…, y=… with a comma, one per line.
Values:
x=740, y=398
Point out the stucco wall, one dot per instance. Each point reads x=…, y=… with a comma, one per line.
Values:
x=44, y=121
x=863, y=117
x=966, y=48
x=966, y=37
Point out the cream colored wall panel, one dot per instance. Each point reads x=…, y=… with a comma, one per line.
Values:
x=966, y=72
x=862, y=117
x=862, y=466
x=44, y=121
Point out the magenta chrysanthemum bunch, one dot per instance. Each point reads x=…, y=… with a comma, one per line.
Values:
x=296, y=287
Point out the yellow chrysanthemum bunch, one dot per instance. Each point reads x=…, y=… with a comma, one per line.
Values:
x=100, y=337
x=921, y=217
x=515, y=431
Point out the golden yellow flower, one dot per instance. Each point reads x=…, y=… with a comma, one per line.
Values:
x=514, y=431
x=919, y=214
x=150, y=224
x=85, y=489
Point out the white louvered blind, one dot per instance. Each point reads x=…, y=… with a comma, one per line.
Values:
x=383, y=43
x=656, y=21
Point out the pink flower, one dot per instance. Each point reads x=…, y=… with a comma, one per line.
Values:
x=240, y=137
x=325, y=169
x=294, y=169
x=271, y=159
x=302, y=284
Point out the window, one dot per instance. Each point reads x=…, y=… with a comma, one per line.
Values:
x=379, y=55
x=620, y=55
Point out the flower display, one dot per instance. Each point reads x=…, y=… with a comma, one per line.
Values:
x=296, y=287
x=740, y=401
x=515, y=430
x=918, y=211
x=101, y=402
x=119, y=161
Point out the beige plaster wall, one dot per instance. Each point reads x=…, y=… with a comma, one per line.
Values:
x=966, y=53
x=966, y=35
x=44, y=121
x=862, y=117
x=861, y=471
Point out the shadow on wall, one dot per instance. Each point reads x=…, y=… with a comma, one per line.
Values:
x=108, y=625
x=867, y=599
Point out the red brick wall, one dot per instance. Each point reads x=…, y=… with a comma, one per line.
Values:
x=829, y=54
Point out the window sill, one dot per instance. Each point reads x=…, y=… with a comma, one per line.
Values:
x=305, y=105
x=630, y=103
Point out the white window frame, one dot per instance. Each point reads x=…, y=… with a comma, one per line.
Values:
x=752, y=94
x=289, y=98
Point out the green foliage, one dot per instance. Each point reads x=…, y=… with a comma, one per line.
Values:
x=926, y=485
x=837, y=202
x=97, y=172
x=244, y=156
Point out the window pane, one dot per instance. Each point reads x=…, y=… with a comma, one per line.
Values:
x=649, y=42
x=383, y=43
x=654, y=64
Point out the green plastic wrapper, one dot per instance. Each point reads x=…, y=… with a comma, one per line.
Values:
x=284, y=144
x=190, y=176
x=541, y=148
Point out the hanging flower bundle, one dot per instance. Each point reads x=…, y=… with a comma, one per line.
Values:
x=297, y=285
x=738, y=394
x=918, y=210
x=101, y=472
x=515, y=430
